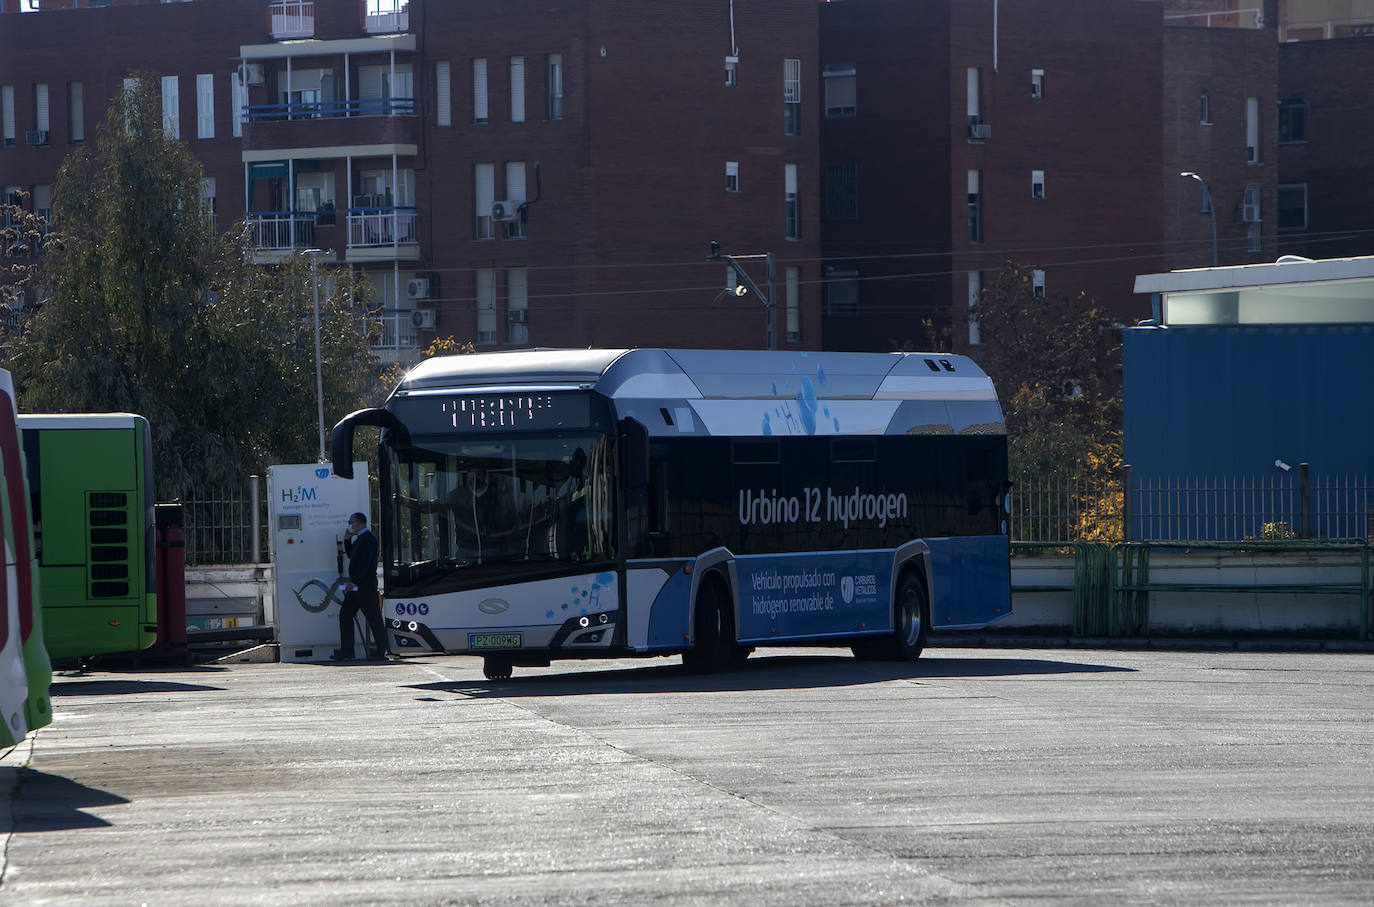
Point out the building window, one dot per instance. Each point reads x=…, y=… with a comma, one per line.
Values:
x=1253, y=238
x=1292, y=120
x=443, y=94
x=517, y=305
x=731, y=75
x=238, y=97
x=841, y=86
x=841, y=290
x=1292, y=206
x=515, y=195
x=1204, y=110
x=76, y=113
x=42, y=202
x=205, y=106
x=555, y=67
x=791, y=97
x=975, y=289
x=486, y=306
x=1252, y=131
x=484, y=196
x=1037, y=184
x=732, y=176
x=975, y=206
x=479, y=91
x=171, y=108
x=207, y=199
x=842, y=191
x=1038, y=284
x=40, y=103
x=793, y=284
x=517, y=89
x=7, y=113
x=791, y=205
x=974, y=102
x=1037, y=83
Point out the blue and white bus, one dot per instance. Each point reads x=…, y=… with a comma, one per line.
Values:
x=552, y=504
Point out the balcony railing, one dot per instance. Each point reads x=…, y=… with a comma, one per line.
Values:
x=273, y=231
x=293, y=18
x=314, y=110
x=385, y=17
x=374, y=227
x=398, y=330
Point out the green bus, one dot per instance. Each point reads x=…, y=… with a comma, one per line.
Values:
x=91, y=496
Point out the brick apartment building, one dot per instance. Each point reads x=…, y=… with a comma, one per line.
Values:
x=513, y=173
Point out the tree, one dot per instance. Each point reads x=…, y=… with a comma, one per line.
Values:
x=150, y=311
x=22, y=236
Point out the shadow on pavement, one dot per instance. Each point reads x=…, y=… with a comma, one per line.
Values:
x=774, y=672
x=44, y=802
x=123, y=687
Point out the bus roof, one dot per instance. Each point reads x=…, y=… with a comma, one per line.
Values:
x=79, y=420
x=742, y=392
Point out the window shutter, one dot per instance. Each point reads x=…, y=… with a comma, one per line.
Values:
x=76, y=110
x=790, y=179
x=171, y=112
x=237, y=93
x=479, y=91
x=370, y=82
x=7, y=102
x=444, y=92
x=517, y=89
x=515, y=181
x=486, y=305
x=40, y=95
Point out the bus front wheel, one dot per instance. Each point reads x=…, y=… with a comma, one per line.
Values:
x=713, y=636
x=912, y=616
x=497, y=667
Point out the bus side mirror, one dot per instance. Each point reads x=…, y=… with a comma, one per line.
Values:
x=634, y=453
x=341, y=439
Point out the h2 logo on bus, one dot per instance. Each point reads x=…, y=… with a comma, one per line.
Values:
x=410, y=609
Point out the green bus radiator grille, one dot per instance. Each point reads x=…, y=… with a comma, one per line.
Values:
x=107, y=544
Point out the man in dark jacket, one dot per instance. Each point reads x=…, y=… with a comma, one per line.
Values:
x=360, y=594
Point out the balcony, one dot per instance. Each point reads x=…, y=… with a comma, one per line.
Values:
x=272, y=232
x=386, y=17
x=315, y=110
x=292, y=19
x=381, y=228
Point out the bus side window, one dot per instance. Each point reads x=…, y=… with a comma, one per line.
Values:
x=658, y=489
x=978, y=480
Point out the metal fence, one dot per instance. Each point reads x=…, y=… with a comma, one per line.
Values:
x=220, y=526
x=1288, y=505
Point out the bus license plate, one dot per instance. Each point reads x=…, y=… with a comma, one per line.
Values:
x=493, y=640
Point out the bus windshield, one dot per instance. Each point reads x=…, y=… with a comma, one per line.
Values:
x=471, y=511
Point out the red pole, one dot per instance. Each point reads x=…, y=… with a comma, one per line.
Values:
x=171, y=578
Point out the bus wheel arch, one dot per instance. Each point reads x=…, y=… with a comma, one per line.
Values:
x=713, y=626
x=910, y=619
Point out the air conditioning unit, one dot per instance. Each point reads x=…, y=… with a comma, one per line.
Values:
x=36, y=137
x=979, y=131
x=253, y=74
x=518, y=316
x=505, y=210
x=417, y=288
x=423, y=319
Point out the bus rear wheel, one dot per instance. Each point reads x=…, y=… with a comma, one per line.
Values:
x=497, y=667
x=713, y=636
x=912, y=616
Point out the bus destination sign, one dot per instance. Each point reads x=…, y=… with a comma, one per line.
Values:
x=494, y=412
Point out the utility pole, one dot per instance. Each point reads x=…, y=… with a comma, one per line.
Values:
x=768, y=297
x=314, y=255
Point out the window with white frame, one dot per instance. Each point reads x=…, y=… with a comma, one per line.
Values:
x=207, y=199
x=1292, y=206
x=205, y=106
x=315, y=194
x=238, y=97
x=732, y=176
x=1252, y=131
x=171, y=107
x=1292, y=120
x=486, y=305
x=479, y=90
x=42, y=202
x=517, y=89
x=975, y=206
x=974, y=100
x=484, y=196
x=1037, y=83
x=791, y=97
x=841, y=89
x=841, y=290
x=975, y=289
x=791, y=203
x=515, y=194
x=1204, y=109
x=842, y=191
x=731, y=72
x=76, y=113
x=517, y=305
x=793, y=297
x=1038, y=283
x=555, y=85
x=12, y=198
x=7, y=113
x=1037, y=184
x=40, y=103
x=443, y=94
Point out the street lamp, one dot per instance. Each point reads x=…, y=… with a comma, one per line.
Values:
x=1211, y=209
x=314, y=255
